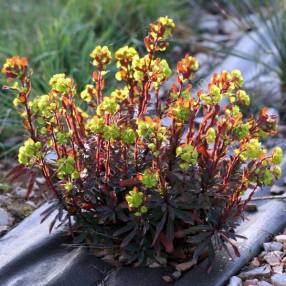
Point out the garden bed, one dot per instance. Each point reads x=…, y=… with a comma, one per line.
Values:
x=29, y=255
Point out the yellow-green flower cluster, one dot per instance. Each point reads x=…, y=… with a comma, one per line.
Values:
x=66, y=167
x=69, y=186
x=108, y=105
x=186, y=67
x=213, y=97
x=267, y=178
x=188, y=154
x=234, y=112
x=181, y=110
x=237, y=78
x=120, y=94
x=30, y=152
x=277, y=155
x=124, y=57
x=44, y=105
x=14, y=66
x=215, y=94
x=230, y=93
x=168, y=26
x=60, y=83
x=268, y=173
x=95, y=124
x=160, y=31
x=243, y=97
x=189, y=63
x=161, y=71
x=157, y=70
x=111, y=132
x=62, y=137
x=150, y=179
x=135, y=199
x=252, y=150
x=128, y=136
x=211, y=135
x=101, y=56
x=277, y=172
x=88, y=93
x=125, y=54
x=242, y=130
x=139, y=65
x=146, y=127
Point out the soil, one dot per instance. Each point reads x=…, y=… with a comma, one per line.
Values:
x=14, y=206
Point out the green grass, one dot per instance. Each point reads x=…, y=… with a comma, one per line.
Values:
x=57, y=36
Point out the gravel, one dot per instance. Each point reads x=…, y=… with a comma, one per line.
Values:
x=268, y=268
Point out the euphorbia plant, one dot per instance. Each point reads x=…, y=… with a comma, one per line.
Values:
x=141, y=188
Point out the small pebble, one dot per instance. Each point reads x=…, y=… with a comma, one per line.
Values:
x=264, y=283
x=272, y=246
x=235, y=281
x=255, y=262
x=251, y=208
x=276, y=190
x=273, y=258
x=278, y=269
x=281, y=238
x=177, y=274
x=262, y=271
x=252, y=282
x=167, y=278
x=278, y=279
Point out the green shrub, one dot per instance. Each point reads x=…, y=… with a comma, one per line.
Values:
x=143, y=190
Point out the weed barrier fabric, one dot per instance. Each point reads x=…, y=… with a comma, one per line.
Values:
x=259, y=228
x=29, y=255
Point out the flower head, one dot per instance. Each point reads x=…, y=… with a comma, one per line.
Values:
x=237, y=78
x=277, y=155
x=95, y=124
x=243, y=97
x=181, y=110
x=211, y=135
x=150, y=178
x=14, y=67
x=101, y=56
x=111, y=132
x=108, y=105
x=61, y=83
x=66, y=167
x=125, y=55
x=242, y=130
x=30, y=152
x=252, y=150
x=167, y=24
x=128, y=136
x=188, y=154
x=88, y=93
x=146, y=127
x=135, y=198
x=186, y=67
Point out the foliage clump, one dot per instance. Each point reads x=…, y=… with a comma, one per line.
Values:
x=139, y=173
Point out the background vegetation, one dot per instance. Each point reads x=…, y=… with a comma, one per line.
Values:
x=57, y=36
